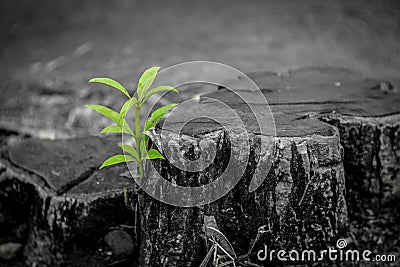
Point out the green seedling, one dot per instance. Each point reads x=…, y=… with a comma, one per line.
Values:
x=139, y=152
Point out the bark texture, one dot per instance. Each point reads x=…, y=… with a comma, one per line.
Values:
x=371, y=160
x=302, y=202
x=55, y=202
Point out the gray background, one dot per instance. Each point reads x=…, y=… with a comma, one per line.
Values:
x=64, y=43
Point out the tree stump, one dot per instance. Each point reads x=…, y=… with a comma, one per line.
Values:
x=366, y=113
x=56, y=203
x=336, y=153
x=301, y=203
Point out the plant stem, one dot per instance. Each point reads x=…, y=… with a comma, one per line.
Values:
x=138, y=138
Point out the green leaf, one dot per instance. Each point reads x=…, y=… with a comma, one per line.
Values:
x=112, y=115
x=157, y=115
x=161, y=89
x=148, y=125
x=116, y=159
x=130, y=150
x=154, y=154
x=127, y=106
x=115, y=129
x=105, y=111
x=122, y=122
x=111, y=83
x=145, y=81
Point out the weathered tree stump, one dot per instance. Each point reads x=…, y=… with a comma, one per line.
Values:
x=55, y=201
x=336, y=131
x=302, y=201
x=366, y=113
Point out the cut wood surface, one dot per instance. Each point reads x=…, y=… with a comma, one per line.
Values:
x=366, y=112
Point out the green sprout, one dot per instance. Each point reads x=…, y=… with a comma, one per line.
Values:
x=138, y=153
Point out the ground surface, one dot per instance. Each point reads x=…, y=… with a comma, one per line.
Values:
x=50, y=49
x=63, y=44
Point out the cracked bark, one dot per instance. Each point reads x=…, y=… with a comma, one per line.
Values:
x=329, y=121
x=54, y=208
x=302, y=201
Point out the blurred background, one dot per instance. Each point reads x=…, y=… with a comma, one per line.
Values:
x=51, y=48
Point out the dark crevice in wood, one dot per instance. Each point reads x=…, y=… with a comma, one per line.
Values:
x=81, y=178
x=2, y=170
x=378, y=166
x=371, y=116
x=311, y=103
x=7, y=132
x=19, y=168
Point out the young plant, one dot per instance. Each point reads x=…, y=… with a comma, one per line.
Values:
x=137, y=153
